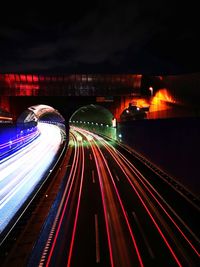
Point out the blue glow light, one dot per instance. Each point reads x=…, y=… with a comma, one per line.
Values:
x=12, y=138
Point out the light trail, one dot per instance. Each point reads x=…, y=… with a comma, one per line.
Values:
x=148, y=187
x=123, y=163
x=78, y=158
x=105, y=205
x=117, y=224
x=22, y=175
x=64, y=201
x=152, y=217
x=151, y=190
x=105, y=210
x=17, y=143
x=78, y=207
x=123, y=168
x=123, y=209
x=23, y=171
x=49, y=250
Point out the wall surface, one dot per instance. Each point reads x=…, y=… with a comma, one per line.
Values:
x=172, y=144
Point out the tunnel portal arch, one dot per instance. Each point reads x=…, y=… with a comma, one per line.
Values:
x=93, y=113
x=94, y=118
x=40, y=112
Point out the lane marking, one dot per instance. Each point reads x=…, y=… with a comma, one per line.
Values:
x=117, y=177
x=97, y=239
x=115, y=174
x=68, y=166
x=143, y=235
x=93, y=179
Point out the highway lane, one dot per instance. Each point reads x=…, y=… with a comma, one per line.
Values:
x=79, y=218
x=109, y=221
x=178, y=237
x=111, y=215
x=22, y=172
x=73, y=218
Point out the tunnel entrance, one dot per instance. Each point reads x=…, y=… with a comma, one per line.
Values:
x=43, y=113
x=94, y=118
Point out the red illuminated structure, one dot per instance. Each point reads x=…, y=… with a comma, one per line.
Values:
x=67, y=85
x=123, y=90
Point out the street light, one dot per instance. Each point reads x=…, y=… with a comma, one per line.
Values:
x=151, y=90
x=114, y=122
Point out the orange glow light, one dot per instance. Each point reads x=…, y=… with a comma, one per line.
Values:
x=164, y=95
x=142, y=103
x=161, y=100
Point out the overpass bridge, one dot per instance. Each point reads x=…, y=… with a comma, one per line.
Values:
x=115, y=92
x=69, y=85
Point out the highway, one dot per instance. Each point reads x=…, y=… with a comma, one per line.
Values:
x=111, y=212
x=22, y=171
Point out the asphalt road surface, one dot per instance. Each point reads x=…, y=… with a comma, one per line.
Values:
x=114, y=212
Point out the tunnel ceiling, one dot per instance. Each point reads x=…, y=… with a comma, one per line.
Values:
x=40, y=112
x=93, y=113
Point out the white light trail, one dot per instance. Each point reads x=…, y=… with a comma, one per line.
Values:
x=21, y=173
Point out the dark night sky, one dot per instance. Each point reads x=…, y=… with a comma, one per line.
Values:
x=101, y=36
